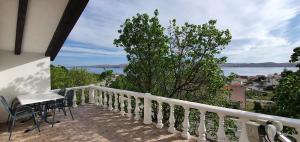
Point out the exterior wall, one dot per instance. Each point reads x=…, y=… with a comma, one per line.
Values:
x=238, y=94
x=20, y=74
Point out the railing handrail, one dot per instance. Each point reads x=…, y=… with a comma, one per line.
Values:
x=210, y=108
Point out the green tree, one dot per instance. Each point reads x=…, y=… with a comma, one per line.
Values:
x=287, y=94
x=179, y=62
x=59, y=77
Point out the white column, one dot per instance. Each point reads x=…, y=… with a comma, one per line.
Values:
x=91, y=95
x=74, y=99
x=137, y=109
x=129, y=107
x=96, y=98
x=186, y=124
x=121, y=98
x=221, y=131
x=202, y=128
x=105, y=99
x=82, y=97
x=116, y=103
x=298, y=135
x=159, y=116
x=243, y=136
x=147, y=109
x=100, y=98
x=171, y=128
x=110, y=107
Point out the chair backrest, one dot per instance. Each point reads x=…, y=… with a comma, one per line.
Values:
x=69, y=98
x=61, y=92
x=5, y=105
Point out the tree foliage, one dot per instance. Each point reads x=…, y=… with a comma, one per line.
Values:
x=178, y=61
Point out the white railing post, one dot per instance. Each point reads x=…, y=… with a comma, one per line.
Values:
x=105, y=99
x=186, y=124
x=74, y=98
x=137, y=109
x=129, y=107
x=91, y=95
x=244, y=136
x=298, y=135
x=100, y=98
x=159, y=116
x=202, y=128
x=96, y=98
x=171, y=128
x=110, y=107
x=221, y=131
x=82, y=97
x=116, y=103
x=147, y=109
x=121, y=98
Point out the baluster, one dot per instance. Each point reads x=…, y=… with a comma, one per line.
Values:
x=221, y=132
x=129, y=107
x=159, y=116
x=298, y=135
x=96, y=98
x=186, y=123
x=82, y=97
x=105, y=99
x=122, y=112
x=110, y=107
x=100, y=98
x=116, y=103
x=74, y=98
x=243, y=136
x=137, y=108
x=202, y=128
x=171, y=128
x=91, y=95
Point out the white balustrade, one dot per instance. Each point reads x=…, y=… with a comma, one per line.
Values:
x=110, y=107
x=137, y=109
x=116, y=103
x=122, y=105
x=96, y=98
x=221, y=131
x=159, y=116
x=105, y=99
x=202, y=127
x=129, y=107
x=186, y=124
x=100, y=97
x=91, y=95
x=74, y=99
x=171, y=128
x=82, y=97
x=119, y=98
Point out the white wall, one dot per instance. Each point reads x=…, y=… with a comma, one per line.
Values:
x=21, y=74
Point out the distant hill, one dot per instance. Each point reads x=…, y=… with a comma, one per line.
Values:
x=266, y=64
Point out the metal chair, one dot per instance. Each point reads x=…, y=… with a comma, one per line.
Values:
x=67, y=102
x=19, y=113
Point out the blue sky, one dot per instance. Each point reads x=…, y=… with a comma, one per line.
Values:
x=263, y=31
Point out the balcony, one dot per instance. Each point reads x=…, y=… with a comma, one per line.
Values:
x=120, y=115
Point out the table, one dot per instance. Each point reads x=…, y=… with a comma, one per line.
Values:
x=39, y=98
x=31, y=98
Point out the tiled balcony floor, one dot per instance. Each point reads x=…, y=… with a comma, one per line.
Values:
x=91, y=124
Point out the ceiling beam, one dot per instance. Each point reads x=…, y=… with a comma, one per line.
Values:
x=70, y=16
x=20, y=25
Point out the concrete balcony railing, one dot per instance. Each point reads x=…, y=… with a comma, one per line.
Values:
x=115, y=100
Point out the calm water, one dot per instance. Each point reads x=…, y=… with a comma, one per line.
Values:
x=247, y=71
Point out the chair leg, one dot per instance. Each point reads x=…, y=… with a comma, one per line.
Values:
x=11, y=128
x=71, y=113
x=35, y=122
x=53, y=119
x=64, y=110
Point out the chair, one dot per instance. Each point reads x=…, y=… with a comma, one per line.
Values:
x=67, y=102
x=19, y=113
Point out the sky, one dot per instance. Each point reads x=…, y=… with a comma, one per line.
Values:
x=262, y=30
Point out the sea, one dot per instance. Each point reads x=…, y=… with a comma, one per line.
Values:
x=244, y=71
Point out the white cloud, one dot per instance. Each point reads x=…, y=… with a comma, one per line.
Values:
x=251, y=22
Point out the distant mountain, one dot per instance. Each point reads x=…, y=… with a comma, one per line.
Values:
x=265, y=64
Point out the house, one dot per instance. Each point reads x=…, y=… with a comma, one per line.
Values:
x=237, y=94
